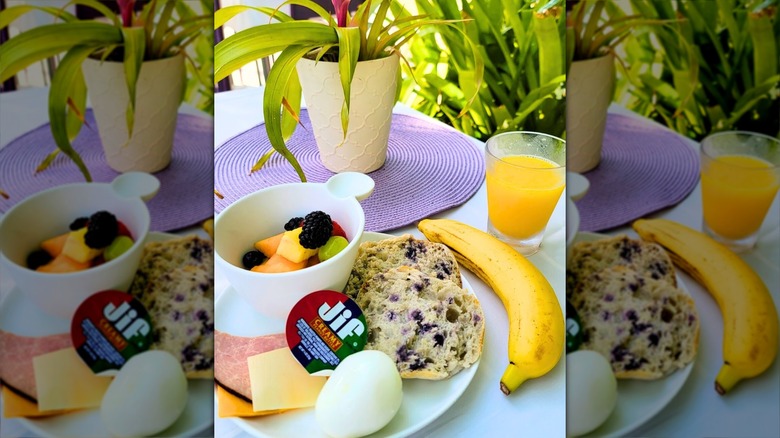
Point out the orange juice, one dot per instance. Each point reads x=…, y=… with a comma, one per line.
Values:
x=522, y=191
x=737, y=191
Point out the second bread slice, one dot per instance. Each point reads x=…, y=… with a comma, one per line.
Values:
x=432, y=328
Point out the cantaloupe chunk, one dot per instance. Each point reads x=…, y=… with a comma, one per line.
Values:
x=62, y=264
x=54, y=245
x=268, y=246
x=277, y=264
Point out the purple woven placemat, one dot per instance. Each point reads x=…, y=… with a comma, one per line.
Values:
x=429, y=169
x=643, y=169
x=186, y=185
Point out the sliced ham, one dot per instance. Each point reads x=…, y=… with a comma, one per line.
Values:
x=231, y=354
x=16, y=367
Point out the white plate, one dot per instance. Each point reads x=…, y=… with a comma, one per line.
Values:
x=638, y=400
x=17, y=312
x=423, y=402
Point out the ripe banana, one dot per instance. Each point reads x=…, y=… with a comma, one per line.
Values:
x=536, y=326
x=750, y=326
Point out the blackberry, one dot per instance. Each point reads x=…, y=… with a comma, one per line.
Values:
x=252, y=259
x=317, y=228
x=293, y=223
x=37, y=259
x=102, y=229
x=79, y=223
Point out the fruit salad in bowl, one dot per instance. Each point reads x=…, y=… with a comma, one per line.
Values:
x=61, y=279
x=278, y=244
x=306, y=242
x=90, y=242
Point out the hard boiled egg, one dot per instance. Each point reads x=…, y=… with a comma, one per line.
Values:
x=147, y=395
x=361, y=396
x=591, y=391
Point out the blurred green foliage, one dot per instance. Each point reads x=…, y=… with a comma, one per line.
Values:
x=714, y=69
x=522, y=43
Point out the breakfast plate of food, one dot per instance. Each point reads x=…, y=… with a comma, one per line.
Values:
x=430, y=384
x=170, y=264
x=633, y=309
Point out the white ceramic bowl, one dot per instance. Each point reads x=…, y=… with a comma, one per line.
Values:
x=49, y=213
x=263, y=214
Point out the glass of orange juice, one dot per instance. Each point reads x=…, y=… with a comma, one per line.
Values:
x=740, y=175
x=525, y=176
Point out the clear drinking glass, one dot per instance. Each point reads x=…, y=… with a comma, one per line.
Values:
x=740, y=175
x=525, y=175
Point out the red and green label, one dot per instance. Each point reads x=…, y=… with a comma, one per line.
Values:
x=325, y=327
x=109, y=328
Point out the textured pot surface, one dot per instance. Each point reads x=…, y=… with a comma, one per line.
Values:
x=589, y=88
x=158, y=96
x=371, y=108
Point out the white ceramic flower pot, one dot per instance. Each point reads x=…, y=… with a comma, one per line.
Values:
x=371, y=108
x=590, y=85
x=159, y=93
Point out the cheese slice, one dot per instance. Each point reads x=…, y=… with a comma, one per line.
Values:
x=229, y=405
x=279, y=382
x=14, y=405
x=64, y=381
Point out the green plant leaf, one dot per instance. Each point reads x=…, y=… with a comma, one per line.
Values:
x=536, y=97
x=349, y=50
x=223, y=15
x=254, y=43
x=292, y=106
x=67, y=72
x=77, y=105
x=43, y=42
x=372, y=40
x=261, y=162
x=134, y=44
x=314, y=7
x=101, y=8
x=280, y=74
x=10, y=14
x=160, y=30
x=43, y=165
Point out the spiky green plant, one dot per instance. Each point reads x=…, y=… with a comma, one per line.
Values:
x=523, y=46
x=163, y=28
x=715, y=69
x=374, y=31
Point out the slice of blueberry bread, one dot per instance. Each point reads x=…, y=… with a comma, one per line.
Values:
x=432, y=327
x=376, y=257
x=646, y=326
x=175, y=282
x=587, y=258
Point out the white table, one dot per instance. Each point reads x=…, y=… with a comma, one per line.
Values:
x=20, y=112
x=537, y=408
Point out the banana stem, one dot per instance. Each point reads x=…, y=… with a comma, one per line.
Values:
x=512, y=379
x=726, y=379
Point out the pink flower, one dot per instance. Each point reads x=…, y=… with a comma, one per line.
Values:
x=341, y=7
x=126, y=10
